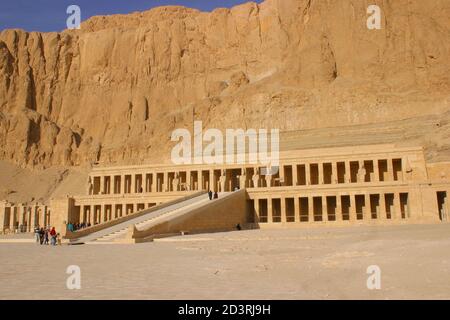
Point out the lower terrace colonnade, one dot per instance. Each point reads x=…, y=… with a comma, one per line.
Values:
x=23, y=217
x=329, y=208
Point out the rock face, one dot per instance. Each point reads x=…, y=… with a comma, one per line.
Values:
x=114, y=90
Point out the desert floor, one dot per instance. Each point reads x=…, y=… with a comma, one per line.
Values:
x=318, y=263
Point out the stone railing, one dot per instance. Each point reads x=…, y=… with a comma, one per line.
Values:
x=81, y=233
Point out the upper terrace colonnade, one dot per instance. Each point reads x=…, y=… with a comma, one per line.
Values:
x=298, y=168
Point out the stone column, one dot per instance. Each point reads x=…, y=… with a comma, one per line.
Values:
x=38, y=219
x=81, y=213
x=404, y=168
x=348, y=174
x=213, y=182
x=269, y=211
x=324, y=209
x=352, y=216
x=115, y=184
x=199, y=180
x=376, y=171
x=296, y=209
x=338, y=208
x=30, y=219
x=23, y=215
x=383, y=213
x=41, y=215
x=146, y=187
x=320, y=166
x=447, y=206
x=36, y=216
x=367, y=215
x=334, y=175
x=122, y=184
x=188, y=180
x=154, y=182
x=45, y=213
x=110, y=188
x=281, y=175
x=102, y=213
x=397, y=207
x=99, y=212
x=294, y=175
x=256, y=213
x=268, y=180
x=102, y=185
x=390, y=170
x=308, y=173
x=310, y=209
x=283, y=210
x=133, y=183
x=12, y=217
x=2, y=215
x=105, y=213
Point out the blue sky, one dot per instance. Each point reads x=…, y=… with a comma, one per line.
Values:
x=50, y=15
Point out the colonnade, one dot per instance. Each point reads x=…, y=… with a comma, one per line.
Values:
x=331, y=207
x=94, y=214
x=23, y=218
x=228, y=179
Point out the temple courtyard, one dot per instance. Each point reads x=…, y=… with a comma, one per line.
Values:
x=305, y=263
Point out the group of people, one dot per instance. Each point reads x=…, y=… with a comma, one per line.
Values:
x=213, y=196
x=45, y=235
x=77, y=226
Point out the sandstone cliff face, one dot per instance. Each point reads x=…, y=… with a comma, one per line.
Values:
x=114, y=90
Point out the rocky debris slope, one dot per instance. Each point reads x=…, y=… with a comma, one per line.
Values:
x=114, y=91
x=27, y=186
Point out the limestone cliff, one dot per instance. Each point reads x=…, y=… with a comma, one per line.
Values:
x=114, y=90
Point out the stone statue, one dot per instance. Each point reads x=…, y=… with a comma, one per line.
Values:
x=255, y=178
x=243, y=179
x=362, y=174
x=90, y=186
x=223, y=180
x=175, y=182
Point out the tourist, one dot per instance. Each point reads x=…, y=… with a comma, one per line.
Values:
x=58, y=238
x=46, y=236
x=53, y=236
x=210, y=195
x=70, y=226
x=41, y=236
x=216, y=195
x=36, y=235
x=238, y=227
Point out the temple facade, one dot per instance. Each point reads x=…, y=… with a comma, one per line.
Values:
x=342, y=185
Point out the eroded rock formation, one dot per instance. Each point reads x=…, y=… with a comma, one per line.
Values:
x=114, y=90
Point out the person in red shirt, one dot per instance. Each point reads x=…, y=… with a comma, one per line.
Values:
x=53, y=235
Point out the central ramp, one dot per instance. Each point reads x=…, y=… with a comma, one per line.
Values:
x=143, y=218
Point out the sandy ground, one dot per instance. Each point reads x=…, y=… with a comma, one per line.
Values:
x=319, y=263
